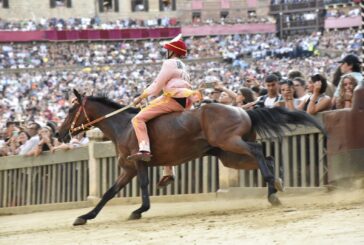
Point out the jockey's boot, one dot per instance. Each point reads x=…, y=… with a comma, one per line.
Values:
x=165, y=180
x=144, y=156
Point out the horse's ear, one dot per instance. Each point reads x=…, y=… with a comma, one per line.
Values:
x=78, y=96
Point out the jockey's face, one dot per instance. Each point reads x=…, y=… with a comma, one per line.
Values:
x=169, y=54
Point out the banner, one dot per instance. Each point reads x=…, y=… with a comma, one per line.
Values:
x=346, y=22
x=76, y=35
x=228, y=29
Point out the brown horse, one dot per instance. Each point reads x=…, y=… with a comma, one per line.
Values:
x=223, y=131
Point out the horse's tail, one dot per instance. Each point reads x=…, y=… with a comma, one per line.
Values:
x=271, y=122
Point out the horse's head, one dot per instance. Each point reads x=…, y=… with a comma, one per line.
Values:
x=76, y=118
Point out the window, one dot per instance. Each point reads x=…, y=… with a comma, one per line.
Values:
x=139, y=5
x=4, y=4
x=224, y=14
x=167, y=5
x=108, y=5
x=196, y=17
x=252, y=14
x=61, y=3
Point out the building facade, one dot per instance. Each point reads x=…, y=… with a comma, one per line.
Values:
x=184, y=11
x=298, y=17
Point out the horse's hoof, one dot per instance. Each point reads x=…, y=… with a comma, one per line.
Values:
x=135, y=216
x=79, y=221
x=273, y=199
x=278, y=184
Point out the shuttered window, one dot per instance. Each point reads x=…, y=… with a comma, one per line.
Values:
x=5, y=4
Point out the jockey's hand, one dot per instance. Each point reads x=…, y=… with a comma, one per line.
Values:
x=137, y=100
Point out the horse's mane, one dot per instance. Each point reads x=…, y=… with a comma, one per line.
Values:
x=108, y=102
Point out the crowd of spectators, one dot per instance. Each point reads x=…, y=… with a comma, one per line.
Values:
x=97, y=24
x=340, y=13
x=83, y=24
x=258, y=46
x=227, y=20
x=33, y=103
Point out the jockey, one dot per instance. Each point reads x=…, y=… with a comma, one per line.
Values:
x=173, y=79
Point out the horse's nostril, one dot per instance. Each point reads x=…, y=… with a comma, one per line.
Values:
x=57, y=135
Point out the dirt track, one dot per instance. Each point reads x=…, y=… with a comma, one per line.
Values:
x=311, y=219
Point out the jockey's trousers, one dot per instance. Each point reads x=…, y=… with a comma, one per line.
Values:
x=159, y=106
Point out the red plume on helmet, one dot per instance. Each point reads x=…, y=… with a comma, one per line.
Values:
x=177, y=45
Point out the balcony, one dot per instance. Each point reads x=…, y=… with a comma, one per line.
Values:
x=341, y=2
x=301, y=24
x=296, y=7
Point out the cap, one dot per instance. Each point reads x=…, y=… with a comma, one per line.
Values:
x=176, y=45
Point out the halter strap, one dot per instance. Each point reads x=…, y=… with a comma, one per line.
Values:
x=89, y=123
x=82, y=126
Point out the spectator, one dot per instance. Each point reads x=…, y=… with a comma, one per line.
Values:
x=3, y=150
x=10, y=145
x=337, y=77
x=318, y=101
x=77, y=141
x=287, y=99
x=227, y=96
x=46, y=142
x=272, y=96
x=32, y=129
x=350, y=65
x=246, y=99
x=348, y=85
x=11, y=128
x=22, y=139
x=300, y=89
x=293, y=74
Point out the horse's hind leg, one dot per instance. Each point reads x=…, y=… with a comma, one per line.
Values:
x=278, y=184
x=122, y=180
x=144, y=182
x=266, y=166
x=252, y=154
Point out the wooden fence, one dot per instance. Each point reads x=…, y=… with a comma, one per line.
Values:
x=73, y=176
x=300, y=160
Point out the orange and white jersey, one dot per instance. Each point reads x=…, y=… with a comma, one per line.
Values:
x=173, y=79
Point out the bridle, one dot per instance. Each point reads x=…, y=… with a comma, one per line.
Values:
x=82, y=126
x=89, y=124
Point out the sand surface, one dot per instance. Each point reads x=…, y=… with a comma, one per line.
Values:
x=318, y=218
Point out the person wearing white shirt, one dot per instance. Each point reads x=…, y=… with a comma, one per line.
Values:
x=32, y=130
x=272, y=96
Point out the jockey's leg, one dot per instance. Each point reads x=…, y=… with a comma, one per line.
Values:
x=159, y=106
x=168, y=170
x=167, y=178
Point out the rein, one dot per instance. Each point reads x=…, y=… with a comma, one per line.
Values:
x=89, y=123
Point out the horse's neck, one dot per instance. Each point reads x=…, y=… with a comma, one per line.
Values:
x=116, y=126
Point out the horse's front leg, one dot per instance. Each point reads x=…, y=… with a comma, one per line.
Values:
x=123, y=179
x=144, y=182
